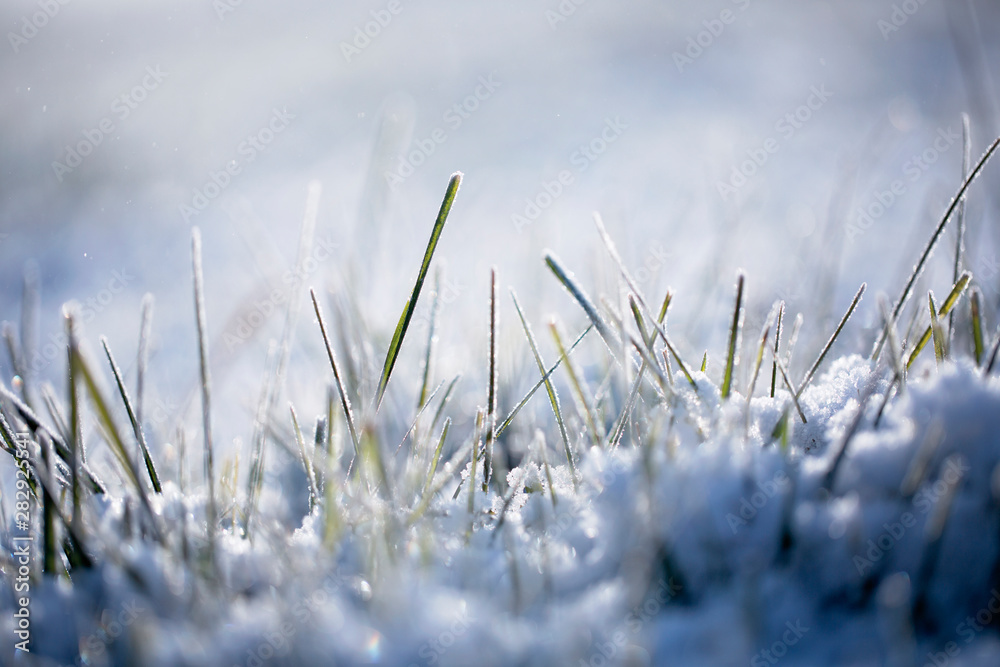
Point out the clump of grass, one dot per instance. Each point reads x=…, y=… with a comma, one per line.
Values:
x=373, y=508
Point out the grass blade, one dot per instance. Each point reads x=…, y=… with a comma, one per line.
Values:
x=792, y=390
x=206, y=387
x=826, y=348
x=549, y=388
x=586, y=411
x=431, y=332
x=411, y=303
x=437, y=455
x=938, y=333
x=734, y=337
x=133, y=419
x=491, y=398
x=345, y=401
x=777, y=342
x=975, y=304
x=531, y=392
x=567, y=279
x=960, y=216
x=929, y=248
x=946, y=308
x=142, y=354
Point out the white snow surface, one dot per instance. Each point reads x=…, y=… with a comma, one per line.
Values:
x=718, y=551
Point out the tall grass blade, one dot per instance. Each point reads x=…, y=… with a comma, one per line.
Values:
x=960, y=215
x=437, y=455
x=991, y=360
x=82, y=371
x=734, y=338
x=154, y=478
x=586, y=410
x=531, y=392
x=411, y=303
x=794, y=392
x=549, y=388
x=255, y=478
x=568, y=281
x=206, y=387
x=833, y=338
x=142, y=354
x=929, y=248
x=619, y=429
x=431, y=333
x=491, y=398
x=345, y=401
x=307, y=463
x=777, y=342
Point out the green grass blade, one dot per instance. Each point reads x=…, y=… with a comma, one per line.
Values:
x=777, y=342
x=411, y=303
x=975, y=303
x=345, y=401
x=734, y=337
x=567, y=280
x=826, y=348
x=949, y=303
x=531, y=392
x=437, y=455
x=154, y=478
x=549, y=388
x=304, y=457
x=431, y=333
x=586, y=410
x=929, y=248
x=81, y=370
x=938, y=333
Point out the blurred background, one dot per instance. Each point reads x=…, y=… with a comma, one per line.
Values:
x=710, y=136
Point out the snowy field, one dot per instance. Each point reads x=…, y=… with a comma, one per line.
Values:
x=814, y=146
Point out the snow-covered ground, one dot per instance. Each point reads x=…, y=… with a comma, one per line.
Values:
x=812, y=144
